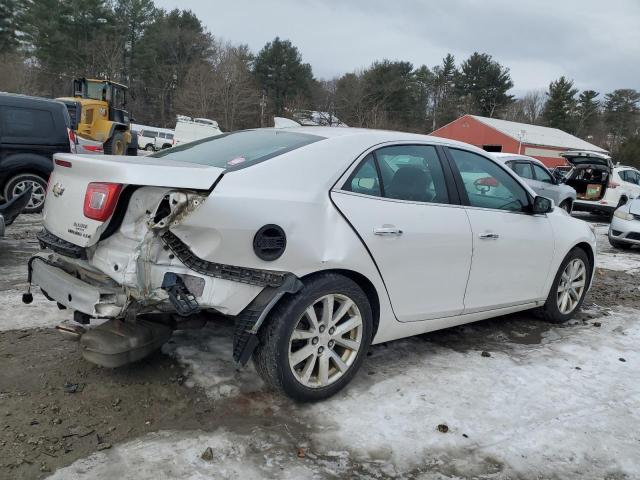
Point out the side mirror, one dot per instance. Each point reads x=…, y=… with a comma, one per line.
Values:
x=542, y=205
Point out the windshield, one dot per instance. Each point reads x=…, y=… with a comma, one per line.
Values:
x=238, y=149
x=97, y=91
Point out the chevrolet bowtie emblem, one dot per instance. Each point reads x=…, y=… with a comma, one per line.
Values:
x=58, y=189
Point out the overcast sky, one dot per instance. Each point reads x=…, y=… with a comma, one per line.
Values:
x=594, y=42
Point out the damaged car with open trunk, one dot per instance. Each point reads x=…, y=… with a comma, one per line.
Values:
x=315, y=242
x=600, y=186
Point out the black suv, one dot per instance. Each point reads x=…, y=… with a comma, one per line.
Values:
x=31, y=130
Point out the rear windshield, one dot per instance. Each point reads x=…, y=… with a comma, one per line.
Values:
x=238, y=149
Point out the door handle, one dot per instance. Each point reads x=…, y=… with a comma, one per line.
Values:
x=387, y=231
x=489, y=236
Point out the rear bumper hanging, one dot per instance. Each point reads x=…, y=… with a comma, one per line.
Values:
x=251, y=276
x=249, y=321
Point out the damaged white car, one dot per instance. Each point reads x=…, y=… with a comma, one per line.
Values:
x=316, y=242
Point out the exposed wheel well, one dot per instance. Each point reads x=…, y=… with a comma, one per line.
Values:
x=587, y=249
x=367, y=287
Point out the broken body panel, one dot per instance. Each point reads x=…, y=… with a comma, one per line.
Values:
x=133, y=260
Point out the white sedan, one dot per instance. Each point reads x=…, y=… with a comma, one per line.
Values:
x=316, y=242
x=624, y=230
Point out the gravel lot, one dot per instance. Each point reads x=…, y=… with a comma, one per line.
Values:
x=511, y=397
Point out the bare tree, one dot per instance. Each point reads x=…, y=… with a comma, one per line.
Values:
x=527, y=109
x=533, y=104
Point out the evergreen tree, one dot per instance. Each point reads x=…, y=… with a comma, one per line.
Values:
x=628, y=153
x=587, y=111
x=169, y=48
x=394, y=92
x=484, y=83
x=561, y=105
x=281, y=74
x=444, y=99
x=133, y=17
x=621, y=114
x=8, y=26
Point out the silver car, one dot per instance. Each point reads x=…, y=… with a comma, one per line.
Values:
x=540, y=179
x=624, y=230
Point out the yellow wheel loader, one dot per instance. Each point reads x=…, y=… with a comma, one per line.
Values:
x=98, y=112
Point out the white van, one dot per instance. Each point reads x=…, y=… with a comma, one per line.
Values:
x=190, y=129
x=152, y=138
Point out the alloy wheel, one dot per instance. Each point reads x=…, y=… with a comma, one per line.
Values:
x=325, y=341
x=571, y=286
x=37, y=193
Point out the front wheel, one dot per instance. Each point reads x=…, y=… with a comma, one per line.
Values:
x=115, y=145
x=569, y=287
x=315, y=340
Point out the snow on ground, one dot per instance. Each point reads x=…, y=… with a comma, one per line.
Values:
x=615, y=259
x=174, y=455
x=527, y=407
x=564, y=407
x=41, y=313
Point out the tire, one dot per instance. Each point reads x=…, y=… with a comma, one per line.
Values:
x=620, y=245
x=18, y=183
x=551, y=311
x=149, y=148
x=115, y=145
x=566, y=206
x=275, y=358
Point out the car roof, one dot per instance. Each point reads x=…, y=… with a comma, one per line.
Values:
x=15, y=99
x=381, y=136
x=505, y=157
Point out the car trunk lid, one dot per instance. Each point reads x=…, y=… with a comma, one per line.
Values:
x=581, y=158
x=64, y=211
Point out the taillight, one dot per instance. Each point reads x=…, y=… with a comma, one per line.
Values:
x=93, y=148
x=613, y=184
x=72, y=140
x=63, y=163
x=100, y=200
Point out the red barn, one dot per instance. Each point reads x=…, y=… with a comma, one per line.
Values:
x=494, y=135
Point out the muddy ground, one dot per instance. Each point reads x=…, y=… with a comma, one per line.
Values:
x=56, y=408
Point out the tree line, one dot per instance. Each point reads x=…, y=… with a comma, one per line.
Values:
x=173, y=65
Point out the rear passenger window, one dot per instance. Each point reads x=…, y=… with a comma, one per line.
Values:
x=522, y=169
x=365, y=179
x=404, y=172
x=412, y=172
x=542, y=175
x=27, y=123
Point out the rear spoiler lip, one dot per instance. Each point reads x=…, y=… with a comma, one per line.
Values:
x=145, y=171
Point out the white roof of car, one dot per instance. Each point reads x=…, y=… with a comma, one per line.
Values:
x=381, y=136
x=537, y=135
x=503, y=157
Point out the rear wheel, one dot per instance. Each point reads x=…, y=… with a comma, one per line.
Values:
x=115, y=145
x=315, y=340
x=569, y=287
x=18, y=184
